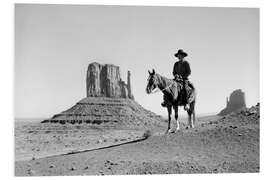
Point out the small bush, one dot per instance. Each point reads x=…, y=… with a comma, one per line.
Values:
x=147, y=134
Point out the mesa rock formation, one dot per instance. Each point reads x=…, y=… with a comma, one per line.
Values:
x=235, y=102
x=107, y=111
x=109, y=102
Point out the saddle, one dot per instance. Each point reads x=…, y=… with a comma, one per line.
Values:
x=184, y=96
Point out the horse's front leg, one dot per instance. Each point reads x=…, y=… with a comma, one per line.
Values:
x=176, y=117
x=169, y=108
x=190, y=121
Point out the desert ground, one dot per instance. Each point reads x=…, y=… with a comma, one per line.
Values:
x=217, y=144
x=35, y=140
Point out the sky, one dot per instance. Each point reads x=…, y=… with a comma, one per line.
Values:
x=55, y=43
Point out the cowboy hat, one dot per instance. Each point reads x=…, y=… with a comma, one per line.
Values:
x=180, y=51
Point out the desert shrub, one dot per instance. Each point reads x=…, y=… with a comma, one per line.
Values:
x=147, y=134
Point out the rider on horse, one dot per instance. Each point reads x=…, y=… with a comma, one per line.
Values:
x=181, y=71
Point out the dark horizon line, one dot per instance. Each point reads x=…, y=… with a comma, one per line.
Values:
x=162, y=115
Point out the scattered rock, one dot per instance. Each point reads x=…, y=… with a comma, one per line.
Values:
x=30, y=172
x=244, y=116
x=73, y=168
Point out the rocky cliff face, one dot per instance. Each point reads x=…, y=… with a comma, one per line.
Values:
x=235, y=102
x=112, y=112
x=130, y=95
x=105, y=81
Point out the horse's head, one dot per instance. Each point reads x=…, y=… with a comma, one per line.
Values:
x=151, y=82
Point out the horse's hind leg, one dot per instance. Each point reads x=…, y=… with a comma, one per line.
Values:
x=169, y=108
x=193, y=113
x=194, y=117
x=176, y=117
x=190, y=121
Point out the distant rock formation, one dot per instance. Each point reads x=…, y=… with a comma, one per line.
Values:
x=236, y=102
x=130, y=95
x=105, y=81
x=109, y=102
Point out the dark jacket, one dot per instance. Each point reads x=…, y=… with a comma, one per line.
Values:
x=182, y=69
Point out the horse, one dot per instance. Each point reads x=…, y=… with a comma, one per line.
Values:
x=172, y=91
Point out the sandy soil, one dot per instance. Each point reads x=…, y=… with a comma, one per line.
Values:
x=215, y=145
x=37, y=140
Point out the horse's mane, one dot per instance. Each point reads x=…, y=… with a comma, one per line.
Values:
x=164, y=79
x=168, y=82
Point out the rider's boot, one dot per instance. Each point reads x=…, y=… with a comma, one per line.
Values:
x=164, y=104
x=186, y=107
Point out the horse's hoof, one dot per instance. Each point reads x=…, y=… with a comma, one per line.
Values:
x=169, y=131
x=187, y=127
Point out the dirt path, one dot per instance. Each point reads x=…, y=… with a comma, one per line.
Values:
x=212, y=147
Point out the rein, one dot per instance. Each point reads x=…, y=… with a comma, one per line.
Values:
x=157, y=89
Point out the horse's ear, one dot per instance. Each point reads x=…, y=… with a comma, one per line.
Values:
x=149, y=72
x=153, y=71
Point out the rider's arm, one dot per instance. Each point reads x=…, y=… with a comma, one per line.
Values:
x=188, y=70
x=175, y=69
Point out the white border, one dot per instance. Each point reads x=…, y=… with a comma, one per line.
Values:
x=7, y=77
